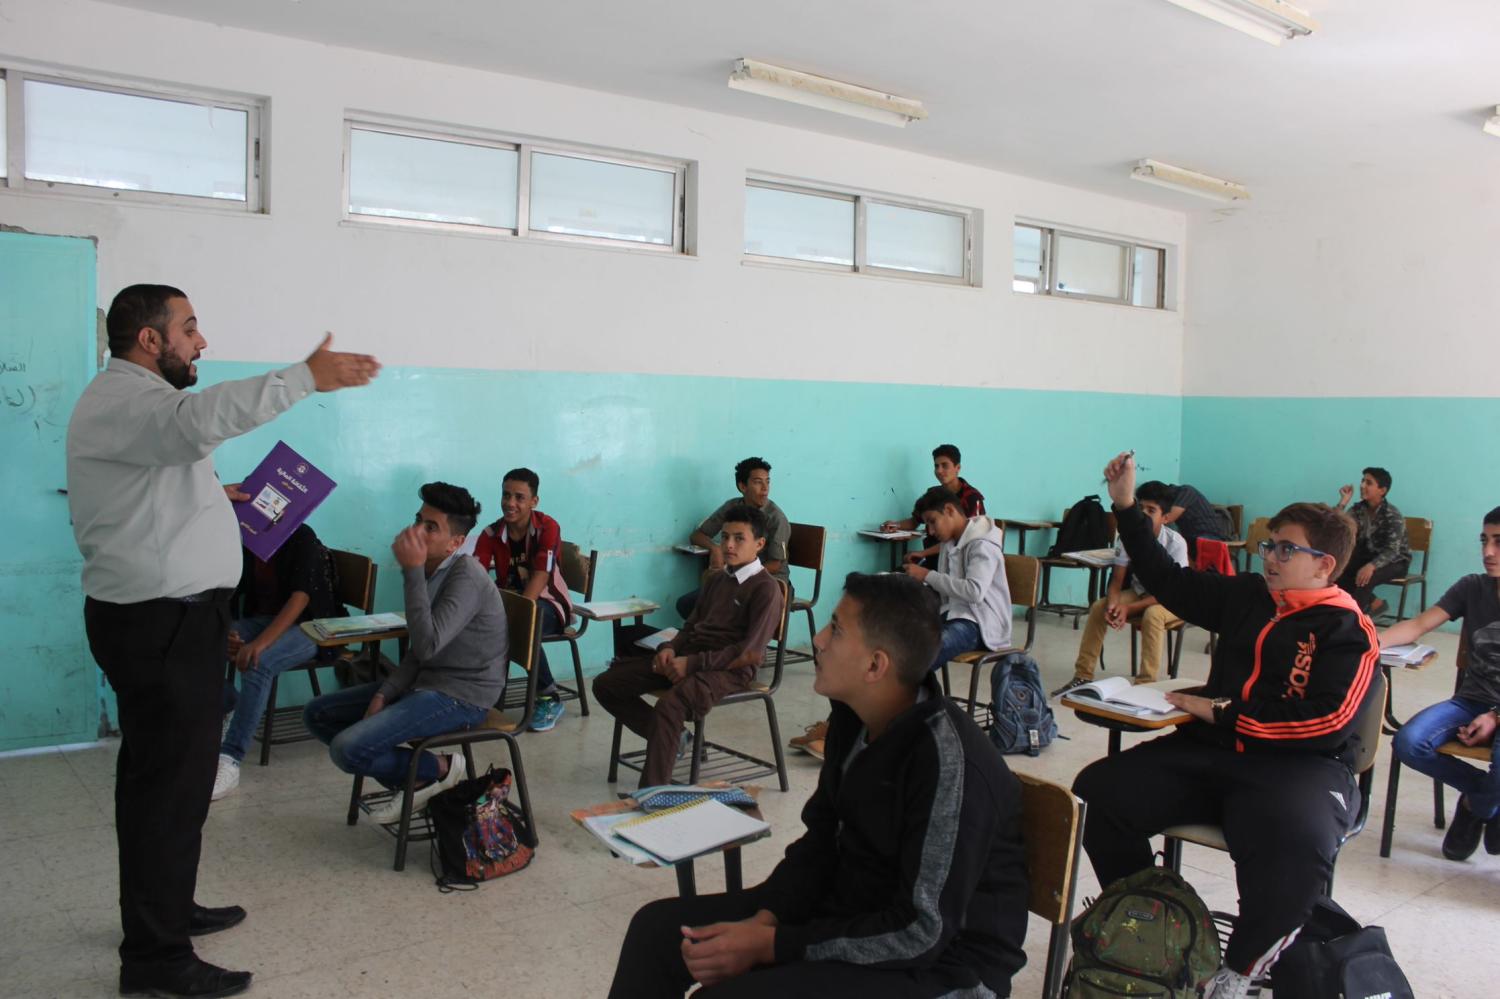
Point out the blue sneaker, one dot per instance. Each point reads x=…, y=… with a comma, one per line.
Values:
x=548, y=711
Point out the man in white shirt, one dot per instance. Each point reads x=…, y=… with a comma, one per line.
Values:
x=161, y=551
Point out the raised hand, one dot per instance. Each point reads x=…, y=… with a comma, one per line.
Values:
x=1120, y=475
x=1346, y=493
x=333, y=370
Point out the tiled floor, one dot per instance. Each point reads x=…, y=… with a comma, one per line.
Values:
x=329, y=918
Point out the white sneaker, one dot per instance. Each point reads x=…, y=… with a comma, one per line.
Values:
x=1227, y=984
x=228, y=777
x=389, y=813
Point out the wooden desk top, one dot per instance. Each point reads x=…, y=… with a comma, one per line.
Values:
x=343, y=640
x=615, y=610
x=1030, y=525
x=579, y=815
x=1110, y=717
x=903, y=536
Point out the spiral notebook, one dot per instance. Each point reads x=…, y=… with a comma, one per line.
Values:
x=690, y=829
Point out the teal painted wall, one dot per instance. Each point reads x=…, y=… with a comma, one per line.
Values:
x=1267, y=452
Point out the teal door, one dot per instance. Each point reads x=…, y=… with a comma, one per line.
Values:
x=49, y=685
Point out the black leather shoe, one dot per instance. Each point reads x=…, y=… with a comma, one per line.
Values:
x=194, y=980
x=205, y=920
x=1463, y=834
x=1492, y=835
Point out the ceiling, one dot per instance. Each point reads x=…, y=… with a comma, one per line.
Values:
x=1072, y=91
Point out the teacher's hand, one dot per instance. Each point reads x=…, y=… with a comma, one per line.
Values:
x=333, y=370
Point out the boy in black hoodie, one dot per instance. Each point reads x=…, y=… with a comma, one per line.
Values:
x=910, y=880
x=1268, y=753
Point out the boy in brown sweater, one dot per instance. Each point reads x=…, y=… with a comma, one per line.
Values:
x=717, y=652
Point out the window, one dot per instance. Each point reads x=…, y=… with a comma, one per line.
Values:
x=411, y=176
x=1073, y=265
x=848, y=231
x=94, y=138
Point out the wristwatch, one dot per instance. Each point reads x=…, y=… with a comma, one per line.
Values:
x=1219, y=704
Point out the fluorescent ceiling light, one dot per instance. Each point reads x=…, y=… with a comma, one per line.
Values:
x=1272, y=21
x=1493, y=125
x=762, y=78
x=1189, y=181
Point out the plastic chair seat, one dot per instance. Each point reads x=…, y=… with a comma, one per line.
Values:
x=1481, y=753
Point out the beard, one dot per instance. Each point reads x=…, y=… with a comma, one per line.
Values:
x=177, y=372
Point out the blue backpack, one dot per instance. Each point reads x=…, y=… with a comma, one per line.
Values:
x=1021, y=721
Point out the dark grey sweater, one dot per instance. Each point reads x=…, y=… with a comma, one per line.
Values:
x=458, y=635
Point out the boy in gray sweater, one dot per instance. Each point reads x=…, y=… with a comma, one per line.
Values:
x=452, y=674
x=970, y=577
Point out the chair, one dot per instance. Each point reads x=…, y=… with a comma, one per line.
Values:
x=1050, y=562
x=1176, y=631
x=578, y=572
x=805, y=551
x=1021, y=573
x=1367, y=737
x=1479, y=754
x=1052, y=831
x=1236, y=514
x=354, y=576
x=1260, y=530
x=710, y=760
x=523, y=622
x=1419, y=538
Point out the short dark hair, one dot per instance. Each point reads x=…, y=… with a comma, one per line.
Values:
x=525, y=475
x=1381, y=476
x=1328, y=530
x=900, y=616
x=455, y=503
x=934, y=499
x=949, y=451
x=744, y=513
x=1156, y=492
x=753, y=464
x=136, y=307
x=1493, y=517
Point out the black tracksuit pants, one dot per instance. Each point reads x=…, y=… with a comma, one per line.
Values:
x=165, y=661
x=1284, y=817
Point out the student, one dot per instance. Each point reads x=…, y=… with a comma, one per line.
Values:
x=524, y=547
x=452, y=675
x=1469, y=716
x=970, y=577
x=1115, y=609
x=752, y=477
x=1268, y=753
x=1188, y=512
x=296, y=585
x=1381, y=551
x=911, y=877
x=717, y=652
x=945, y=468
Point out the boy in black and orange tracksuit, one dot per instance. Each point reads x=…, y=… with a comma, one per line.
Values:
x=1268, y=756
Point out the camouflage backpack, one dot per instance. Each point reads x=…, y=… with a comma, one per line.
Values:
x=1147, y=935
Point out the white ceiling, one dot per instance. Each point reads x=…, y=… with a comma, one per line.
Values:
x=1067, y=90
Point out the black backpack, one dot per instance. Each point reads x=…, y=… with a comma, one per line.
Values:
x=1085, y=528
x=1335, y=956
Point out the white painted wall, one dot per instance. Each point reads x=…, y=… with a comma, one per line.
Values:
x=1376, y=286
x=266, y=286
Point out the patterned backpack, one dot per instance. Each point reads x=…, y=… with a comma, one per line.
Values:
x=477, y=834
x=1148, y=934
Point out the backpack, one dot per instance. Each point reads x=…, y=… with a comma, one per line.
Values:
x=477, y=834
x=1335, y=956
x=1021, y=720
x=1083, y=529
x=1149, y=935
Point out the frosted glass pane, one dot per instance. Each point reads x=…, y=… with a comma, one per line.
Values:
x=1027, y=243
x=910, y=239
x=2, y=127
x=79, y=136
x=1143, y=289
x=432, y=180
x=581, y=197
x=1089, y=267
x=799, y=226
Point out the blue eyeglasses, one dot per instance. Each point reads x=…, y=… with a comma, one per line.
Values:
x=1285, y=550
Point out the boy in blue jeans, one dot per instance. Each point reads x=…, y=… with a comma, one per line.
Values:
x=1470, y=716
x=969, y=578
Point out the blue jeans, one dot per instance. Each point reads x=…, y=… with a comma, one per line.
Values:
x=551, y=623
x=959, y=636
x=291, y=649
x=373, y=746
x=1416, y=746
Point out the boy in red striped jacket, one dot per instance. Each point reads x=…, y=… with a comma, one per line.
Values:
x=1268, y=754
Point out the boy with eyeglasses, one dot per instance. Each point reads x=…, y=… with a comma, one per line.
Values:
x=1268, y=753
x=1472, y=714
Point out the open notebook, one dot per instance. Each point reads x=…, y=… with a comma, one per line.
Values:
x=1119, y=693
x=689, y=830
x=1406, y=655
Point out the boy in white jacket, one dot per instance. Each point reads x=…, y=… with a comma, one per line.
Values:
x=970, y=577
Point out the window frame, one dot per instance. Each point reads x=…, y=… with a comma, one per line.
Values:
x=524, y=149
x=861, y=265
x=254, y=108
x=1048, y=286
